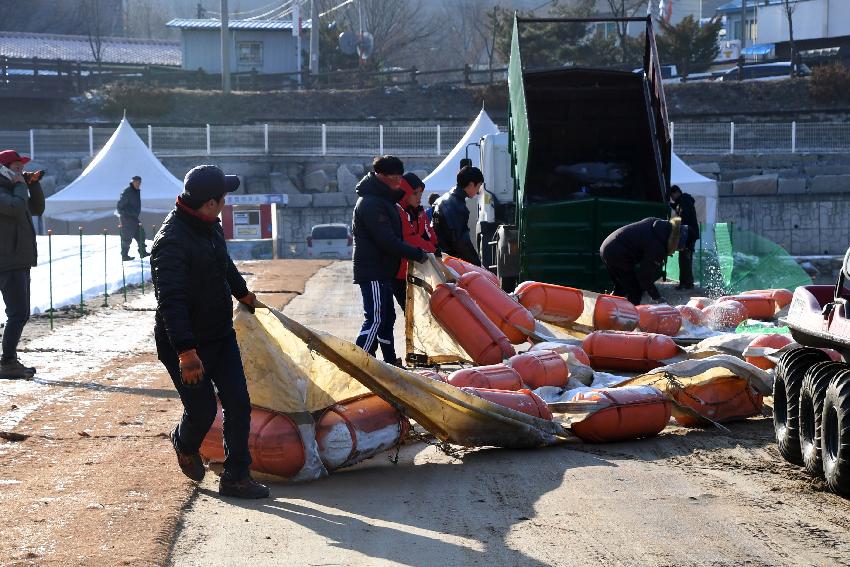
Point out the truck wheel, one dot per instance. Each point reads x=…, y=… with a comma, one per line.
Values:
x=812, y=393
x=786, y=398
x=835, y=434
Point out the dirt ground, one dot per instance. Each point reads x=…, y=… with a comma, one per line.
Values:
x=687, y=497
x=87, y=474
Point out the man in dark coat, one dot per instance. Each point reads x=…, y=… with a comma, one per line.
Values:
x=21, y=197
x=378, y=249
x=451, y=217
x=194, y=280
x=685, y=208
x=634, y=255
x=129, y=209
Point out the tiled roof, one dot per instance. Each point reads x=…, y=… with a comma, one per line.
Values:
x=211, y=24
x=20, y=45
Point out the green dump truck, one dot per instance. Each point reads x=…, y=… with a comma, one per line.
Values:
x=589, y=151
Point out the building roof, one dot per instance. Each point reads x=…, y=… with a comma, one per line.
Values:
x=213, y=24
x=735, y=5
x=23, y=45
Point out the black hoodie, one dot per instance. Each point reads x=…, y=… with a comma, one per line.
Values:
x=376, y=226
x=640, y=246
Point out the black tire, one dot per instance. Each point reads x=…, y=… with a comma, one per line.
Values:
x=835, y=434
x=812, y=393
x=786, y=398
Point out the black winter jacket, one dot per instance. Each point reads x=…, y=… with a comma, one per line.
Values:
x=378, y=241
x=194, y=280
x=130, y=203
x=685, y=207
x=451, y=224
x=641, y=245
x=18, y=203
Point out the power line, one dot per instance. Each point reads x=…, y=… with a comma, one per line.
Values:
x=268, y=6
x=335, y=8
x=282, y=10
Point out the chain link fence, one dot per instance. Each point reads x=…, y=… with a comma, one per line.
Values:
x=409, y=140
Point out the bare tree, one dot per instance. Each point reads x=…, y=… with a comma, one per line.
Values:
x=92, y=15
x=624, y=9
x=790, y=6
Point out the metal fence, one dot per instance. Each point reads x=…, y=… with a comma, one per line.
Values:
x=408, y=140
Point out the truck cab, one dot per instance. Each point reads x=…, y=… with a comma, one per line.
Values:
x=588, y=151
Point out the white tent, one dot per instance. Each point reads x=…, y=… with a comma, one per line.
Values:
x=91, y=198
x=702, y=189
x=444, y=177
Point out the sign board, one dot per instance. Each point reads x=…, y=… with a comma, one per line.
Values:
x=266, y=199
x=246, y=223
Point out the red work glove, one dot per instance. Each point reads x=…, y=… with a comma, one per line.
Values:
x=249, y=300
x=191, y=368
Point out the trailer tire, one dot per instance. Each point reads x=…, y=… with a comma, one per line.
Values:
x=835, y=434
x=812, y=394
x=786, y=398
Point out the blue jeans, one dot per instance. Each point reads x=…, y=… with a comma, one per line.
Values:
x=15, y=287
x=223, y=369
x=379, y=315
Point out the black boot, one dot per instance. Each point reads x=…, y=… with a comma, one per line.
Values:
x=244, y=488
x=144, y=253
x=190, y=463
x=12, y=369
x=126, y=257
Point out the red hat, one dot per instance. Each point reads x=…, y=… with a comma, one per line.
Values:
x=8, y=157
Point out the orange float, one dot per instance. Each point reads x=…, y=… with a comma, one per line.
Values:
x=630, y=412
x=524, y=401
x=274, y=441
x=464, y=267
x=725, y=314
x=728, y=398
x=498, y=306
x=563, y=348
x=636, y=352
x=541, y=368
x=661, y=319
x=758, y=306
x=691, y=314
x=613, y=313
x=493, y=377
x=432, y=374
x=782, y=297
x=551, y=303
x=455, y=310
x=699, y=302
x=766, y=341
x=356, y=429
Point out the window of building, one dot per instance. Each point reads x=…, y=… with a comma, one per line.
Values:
x=249, y=52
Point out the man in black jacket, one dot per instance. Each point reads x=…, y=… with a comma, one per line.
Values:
x=685, y=208
x=378, y=249
x=21, y=197
x=194, y=279
x=129, y=209
x=451, y=217
x=634, y=255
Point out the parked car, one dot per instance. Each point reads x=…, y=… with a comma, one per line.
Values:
x=330, y=241
x=765, y=72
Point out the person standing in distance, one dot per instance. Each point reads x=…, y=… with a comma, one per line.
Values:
x=684, y=206
x=21, y=197
x=129, y=209
x=451, y=217
x=379, y=247
x=194, y=280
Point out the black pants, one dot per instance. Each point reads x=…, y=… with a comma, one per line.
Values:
x=379, y=319
x=686, y=266
x=131, y=230
x=626, y=283
x=400, y=292
x=222, y=369
x=15, y=286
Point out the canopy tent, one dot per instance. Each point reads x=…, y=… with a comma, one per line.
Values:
x=444, y=177
x=91, y=198
x=702, y=189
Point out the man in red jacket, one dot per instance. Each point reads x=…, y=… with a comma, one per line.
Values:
x=415, y=228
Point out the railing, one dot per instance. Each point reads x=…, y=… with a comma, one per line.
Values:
x=410, y=141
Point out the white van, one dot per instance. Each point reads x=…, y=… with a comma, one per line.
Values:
x=330, y=241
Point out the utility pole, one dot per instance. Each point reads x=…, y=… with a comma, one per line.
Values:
x=743, y=25
x=225, y=49
x=314, y=37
